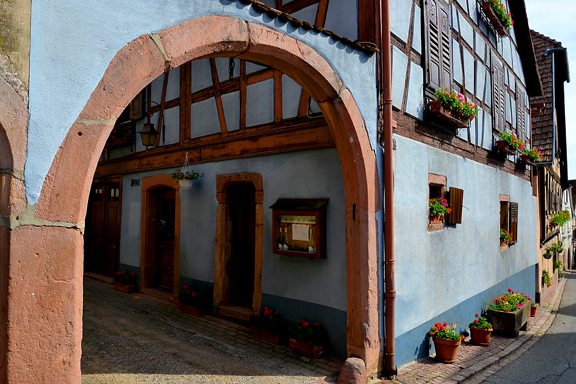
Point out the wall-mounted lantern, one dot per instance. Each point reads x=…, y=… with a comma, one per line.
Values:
x=148, y=133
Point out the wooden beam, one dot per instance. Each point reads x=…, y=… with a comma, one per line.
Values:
x=299, y=138
x=217, y=96
x=367, y=21
x=186, y=105
x=297, y=5
x=321, y=13
x=243, y=87
x=278, y=115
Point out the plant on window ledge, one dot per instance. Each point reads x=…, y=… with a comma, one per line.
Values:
x=505, y=237
x=499, y=16
x=438, y=208
x=509, y=143
x=532, y=155
x=453, y=107
x=560, y=218
x=546, y=279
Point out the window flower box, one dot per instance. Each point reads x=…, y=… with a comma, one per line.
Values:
x=526, y=160
x=503, y=147
x=498, y=16
x=437, y=109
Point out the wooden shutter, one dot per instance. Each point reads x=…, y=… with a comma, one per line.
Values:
x=514, y=222
x=136, y=107
x=455, y=197
x=499, y=93
x=520, y=113
x=438, y=45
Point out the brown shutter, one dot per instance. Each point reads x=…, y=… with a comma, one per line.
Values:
x=514, y=222
x=520, y=113
x=455, y=197
x=136, y=107
x=498, y=88
x=438, y=45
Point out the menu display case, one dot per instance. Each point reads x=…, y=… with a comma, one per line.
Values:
x=299, y=227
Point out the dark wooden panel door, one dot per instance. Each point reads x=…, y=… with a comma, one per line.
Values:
x=240, y=268
x=102, y=235
x=165, y=226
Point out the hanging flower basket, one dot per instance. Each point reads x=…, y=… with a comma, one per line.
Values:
x=186, y=176
x=185, y=184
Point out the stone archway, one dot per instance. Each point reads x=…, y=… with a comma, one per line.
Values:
x=65, y=192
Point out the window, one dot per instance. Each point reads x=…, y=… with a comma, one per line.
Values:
x=509, y=217
x=438, y=46
x=436, y=189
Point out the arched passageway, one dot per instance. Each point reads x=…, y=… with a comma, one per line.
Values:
x=65, y=192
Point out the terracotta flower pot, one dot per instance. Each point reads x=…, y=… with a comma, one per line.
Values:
x=263, y=334
x=533, y=310
x=306, y=349
x=190, y=309
x=436, y=219
x=480, y=336
x=445, y=349
x=124, y=288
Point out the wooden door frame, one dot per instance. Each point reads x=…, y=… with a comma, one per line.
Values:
x=149, y=184
x=222, y=247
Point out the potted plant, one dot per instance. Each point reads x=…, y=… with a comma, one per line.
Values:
x=446, y=341
x=548, y=252
x=438, y=207
x=505, y=237
x=558, y=265
x=530, y=156
x=546, y=279
x=267, y=326
x=452, y=107
x=508, y=313
x=560, y=218
x=509, y=143
x=499, y=16
x=307, y=338
x=480, y=330
x=125, y=281
x=533, y=309
x=192, y=300
x=185, y=178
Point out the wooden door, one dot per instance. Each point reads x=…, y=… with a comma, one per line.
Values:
x=165, y=226
x=240, y=268
x=102, y=235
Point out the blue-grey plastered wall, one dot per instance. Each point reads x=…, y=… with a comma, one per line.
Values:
x=437, y=271
x=72, y=43
x=315, y=284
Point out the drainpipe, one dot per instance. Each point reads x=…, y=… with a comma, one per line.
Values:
x=390, y=295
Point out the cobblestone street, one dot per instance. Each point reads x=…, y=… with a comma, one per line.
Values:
x=134, y=338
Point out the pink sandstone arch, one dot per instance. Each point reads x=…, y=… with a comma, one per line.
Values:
x=65, y=192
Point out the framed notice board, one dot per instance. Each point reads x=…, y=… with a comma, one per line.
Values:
x=299, y=227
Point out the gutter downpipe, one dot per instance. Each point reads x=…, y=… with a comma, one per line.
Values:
x=390, y=295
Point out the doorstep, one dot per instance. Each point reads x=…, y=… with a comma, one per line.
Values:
x=236, y=312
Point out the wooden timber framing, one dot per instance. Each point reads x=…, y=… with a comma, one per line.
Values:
x=264, y=140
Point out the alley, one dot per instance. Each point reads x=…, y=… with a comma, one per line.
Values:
x=552, y=359
x=140, y=339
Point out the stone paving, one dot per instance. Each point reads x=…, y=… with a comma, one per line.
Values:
x=474, y=363
x=216, y=330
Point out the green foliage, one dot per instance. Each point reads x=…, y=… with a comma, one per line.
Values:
x=268, y=320
x=511, y=139
x=438, y=206
x=560, y=218
x=505, y=236
x=186, y=175
x=503, y=14
x=508, y=301
x=312, y=334
x=456, y=102
x=480, y=322
x=445, y=331
x=546, y=278
x=533, y=154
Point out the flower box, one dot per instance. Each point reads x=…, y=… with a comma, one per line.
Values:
x=306, y=349
x=190, y=309
x=445, y=349
x=436, y=108
x=503, y=147
x=128, y=288
x=263, y=334
x=525, y=159
x=494, y=19
x=508, y=323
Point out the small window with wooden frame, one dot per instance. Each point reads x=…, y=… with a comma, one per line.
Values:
x=436, y=190
x=508, y=219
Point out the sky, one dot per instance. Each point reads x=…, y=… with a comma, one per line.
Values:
x=557, y=20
